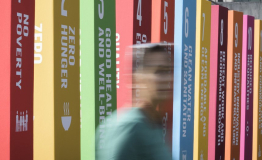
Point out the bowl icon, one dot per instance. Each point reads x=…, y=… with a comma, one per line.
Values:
x=66, y=122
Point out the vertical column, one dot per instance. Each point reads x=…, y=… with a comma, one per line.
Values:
x=184, y=79
x=22, y=71
x=124, y=39
x=87, y=71
x=163, y=31
x=57, y=112
x=233, y=101
x=217, y=92
x=5, y=74
x=246, y=128
x=105, y=66
x=141, y=34
x=202, y=79
x=17, y=42
x=66, y=79
x=98, y=73
x=257, y=103
x=43, y=81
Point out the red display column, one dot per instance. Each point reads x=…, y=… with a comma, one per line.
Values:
x=16, y=82
x=133, y=26
x=163, y=31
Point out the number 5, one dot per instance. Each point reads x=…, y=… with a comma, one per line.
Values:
x=166, y=18
x=139, y=12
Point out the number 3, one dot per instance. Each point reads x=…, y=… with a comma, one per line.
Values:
x=166, y=18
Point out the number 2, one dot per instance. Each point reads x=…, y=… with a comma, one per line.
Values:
x=204, y=21
x=139, y=12
x=165, y=18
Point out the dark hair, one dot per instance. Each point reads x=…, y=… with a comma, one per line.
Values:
x=143, y=51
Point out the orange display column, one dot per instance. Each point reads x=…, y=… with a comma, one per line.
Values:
x=233, y=101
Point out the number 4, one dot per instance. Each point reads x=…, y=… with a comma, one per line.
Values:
x=139, y=12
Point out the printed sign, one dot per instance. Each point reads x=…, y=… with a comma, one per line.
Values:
x=233, y=101
x=246, y=128
x=184, y=79
x=16, y=89
x=257, y=103
x=217, y=90
x=202, y=79
x=57, y=104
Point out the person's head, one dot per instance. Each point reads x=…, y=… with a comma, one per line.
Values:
x=153, y=77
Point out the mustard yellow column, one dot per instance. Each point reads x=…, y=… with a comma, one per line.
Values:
x=56, y=80
x=257, y=107
x=203, y=22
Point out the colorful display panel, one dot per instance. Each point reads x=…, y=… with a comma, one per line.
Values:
x=257, y=103
x=246, y=129
x=233, y=85
x=98, y=72
x=217, y=90
x=124, y=39
x=17, y=72
x=163, y=31
x=57, y=102
x=184, y=79
x=203, y=23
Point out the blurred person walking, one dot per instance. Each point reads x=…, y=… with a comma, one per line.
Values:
x=136, y=133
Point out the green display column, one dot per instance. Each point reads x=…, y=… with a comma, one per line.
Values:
x=98, y=71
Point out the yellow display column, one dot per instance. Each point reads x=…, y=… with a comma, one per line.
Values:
x=56, y=80
x=257, y=103
x=203, y=22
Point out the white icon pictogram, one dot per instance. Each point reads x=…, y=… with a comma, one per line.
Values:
x=21, y=121
x=66, y=119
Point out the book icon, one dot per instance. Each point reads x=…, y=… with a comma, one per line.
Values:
x=66, y=119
